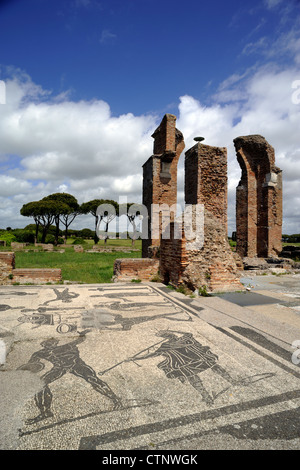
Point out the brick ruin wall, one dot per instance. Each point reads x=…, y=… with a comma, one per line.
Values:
x=160, y=174
x=209, y=261
x=159, y=187
x=10, y=275
x=7, y=264
x=128, y=269
x=206, y=179
x=211, y=265
x=258, y=199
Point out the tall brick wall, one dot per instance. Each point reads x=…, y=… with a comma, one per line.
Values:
x=206, y=179
x=160, y=174
x=208, y=261
x=213, y=265
x=258, y=199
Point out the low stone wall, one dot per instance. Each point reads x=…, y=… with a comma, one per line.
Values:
x=7, y=264
x=36, y=276
x=268, y=265
x=8, y=258
x=9, y=275
x=45, y=246
x=291, y=252
x=111, y=249
x=126, y=269
x=18, y=246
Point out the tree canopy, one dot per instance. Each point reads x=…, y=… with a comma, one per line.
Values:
x=63, y=208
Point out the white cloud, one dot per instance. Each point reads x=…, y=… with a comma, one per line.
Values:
x=272, y=3
x=49, y=146
x=260, y=103
x=9, y=185
x=80, y=148
x=107, y=37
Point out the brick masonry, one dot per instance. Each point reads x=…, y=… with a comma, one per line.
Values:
x=127, y=269
x=7, y=264
x=36, y=276
x=258, y=199
x=209, y=261
x=206, y=179
x=160, y=175
x=10, y=275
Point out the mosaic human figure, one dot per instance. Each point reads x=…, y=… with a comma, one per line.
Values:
x=185, y=358
x=65, y=358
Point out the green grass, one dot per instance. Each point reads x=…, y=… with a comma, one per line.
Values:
x=290, y=244
x=110, y=242
x=76, y=267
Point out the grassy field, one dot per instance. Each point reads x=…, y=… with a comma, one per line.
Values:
x=78, y=267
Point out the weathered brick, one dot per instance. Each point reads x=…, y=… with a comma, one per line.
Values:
x=36, y=275
x=258, y=199
x=160, y=174
x=126, y=269
x=209, y=262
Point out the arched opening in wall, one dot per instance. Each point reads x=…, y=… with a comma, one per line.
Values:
x=166, y=279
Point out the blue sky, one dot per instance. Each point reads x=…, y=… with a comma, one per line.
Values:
x=87, y=82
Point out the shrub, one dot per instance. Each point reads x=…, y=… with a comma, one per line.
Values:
x=50, y=239
x=79, y=241
x=203, y=291
x=8, y=237
x=23, y=236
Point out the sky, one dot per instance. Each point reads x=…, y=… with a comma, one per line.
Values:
x=84, y=83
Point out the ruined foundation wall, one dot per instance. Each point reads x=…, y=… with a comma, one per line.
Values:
x=10, y=275
x=213, y=265
x=7, y=264
x=127, y=269
x=258, y=199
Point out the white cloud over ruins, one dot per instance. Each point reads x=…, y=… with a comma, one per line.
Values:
x=51, y=142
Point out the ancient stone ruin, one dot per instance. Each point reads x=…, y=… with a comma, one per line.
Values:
x=258, y=199
x=191, y=248
x=11, y=275
x=160, y=177
x=207, y=261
